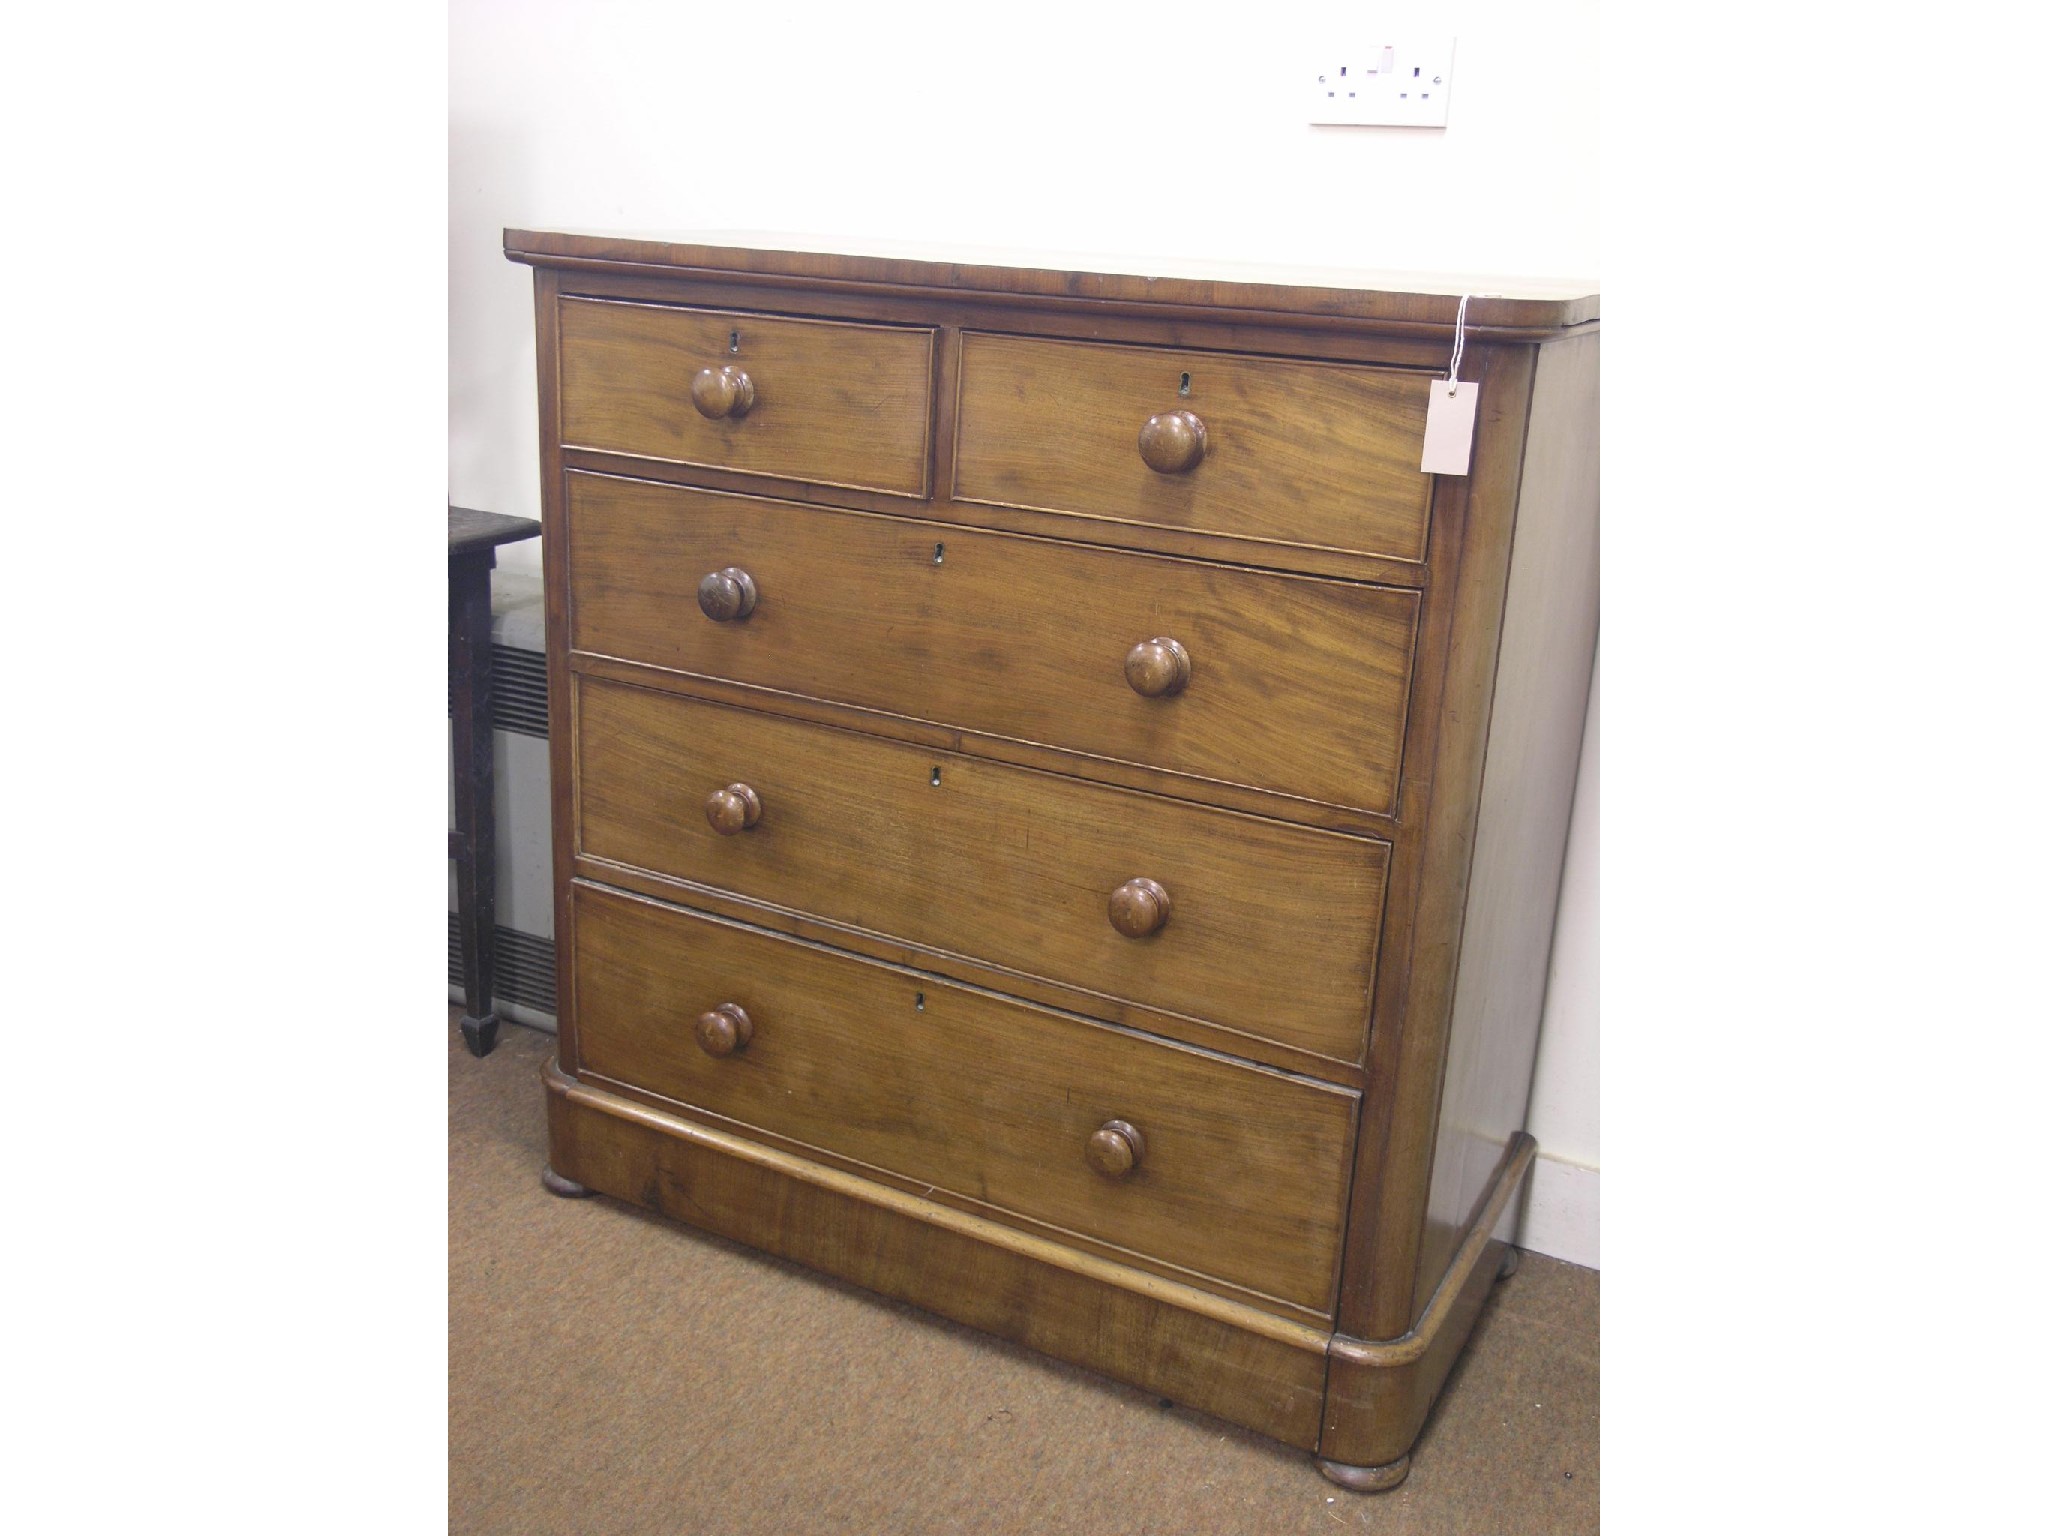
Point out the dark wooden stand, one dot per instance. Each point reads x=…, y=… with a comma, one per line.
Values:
x=473, y=539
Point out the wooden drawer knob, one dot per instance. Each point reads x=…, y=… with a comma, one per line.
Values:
x=727, y=595
x=724, y=1030
x=722, y=392
x=1116, y=1149
x=1173, y=442
x=1139, y=907
x=1158, y=667
x=732, y=809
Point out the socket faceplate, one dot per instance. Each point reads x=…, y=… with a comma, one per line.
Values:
x=1390, y=85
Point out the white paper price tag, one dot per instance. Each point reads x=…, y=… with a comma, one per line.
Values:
x=1447, y=430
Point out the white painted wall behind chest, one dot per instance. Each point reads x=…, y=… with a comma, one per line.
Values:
x=1101, y=126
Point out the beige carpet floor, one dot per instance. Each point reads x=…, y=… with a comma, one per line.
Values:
x=610, y=1373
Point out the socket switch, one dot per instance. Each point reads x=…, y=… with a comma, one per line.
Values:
x=1385, y=85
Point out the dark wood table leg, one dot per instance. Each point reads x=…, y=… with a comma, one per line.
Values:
x=474, y=846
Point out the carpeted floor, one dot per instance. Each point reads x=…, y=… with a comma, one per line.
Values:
x=610, y=1372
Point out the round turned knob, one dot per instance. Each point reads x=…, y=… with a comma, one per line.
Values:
x=1116, y=1149
x=1158, y=667
x=724, y=1029
x=1139, y=907
x=722, y=392
x=732, y=809
x=727, y=595
x=1173, y=442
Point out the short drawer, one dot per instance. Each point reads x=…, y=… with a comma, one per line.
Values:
x=1320, y=454
x=1288, y=683
x=1263, y=927
x=825, y=402
x=1240, y=1174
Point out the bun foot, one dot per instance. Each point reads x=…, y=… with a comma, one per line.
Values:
x=1364, y=1479
x=1510, y=1262
x=480, y=1034
x=555, y=1184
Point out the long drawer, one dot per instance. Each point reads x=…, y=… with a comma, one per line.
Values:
x=1214, y=1168
x=1321, y=454
x=827, y=402
x=1287, y=683
x=1265, y=928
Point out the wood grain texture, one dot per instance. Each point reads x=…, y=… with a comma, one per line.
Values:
x=725, y=1029
x=1140, y=907
x=470, y=529
x=722, y=393
x=1532, y=757
x=1242, y=1176
x=473, y=843
x=828, y=402
x=1388, y=301
x=1009, y=865
x=1158, y=668
x=1002, y=749
x=1116, y=1149
x=1426, y=345
x=971, y=971
x=1380, y=1391
x=1427, y=880
x=727, y=596
x=1305, y=453
x=1186, y=544
x=1383, y=679
x=554, y=565
x=1299, y=685
x=731, y=810
x=1209, y=331
x=1172, y=442
x=1221, y=1357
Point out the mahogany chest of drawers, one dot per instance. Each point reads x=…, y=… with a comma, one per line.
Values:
x=1057, y=817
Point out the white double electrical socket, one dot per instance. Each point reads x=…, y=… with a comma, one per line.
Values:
x=1389, y=85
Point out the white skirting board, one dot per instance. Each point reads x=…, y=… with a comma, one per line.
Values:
x=1561, y=1212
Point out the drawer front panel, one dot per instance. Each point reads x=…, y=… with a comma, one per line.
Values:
x=832, y=403
x=1322, y=454
x=1295, y=684
x=1270, y=929
x=1242, y=1172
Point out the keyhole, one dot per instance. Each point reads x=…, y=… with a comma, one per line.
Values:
x=935, y=776
x=733, y=343
x=1186, y=385
x=920, y=1002
x=938, y=554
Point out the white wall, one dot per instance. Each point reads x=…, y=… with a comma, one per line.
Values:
x=1563, y=1212
x=1110, y=127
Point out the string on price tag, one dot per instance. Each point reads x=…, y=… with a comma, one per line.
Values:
x=1453, y=410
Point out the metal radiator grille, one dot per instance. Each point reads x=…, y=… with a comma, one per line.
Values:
x=519, y=691
x=526, y=967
